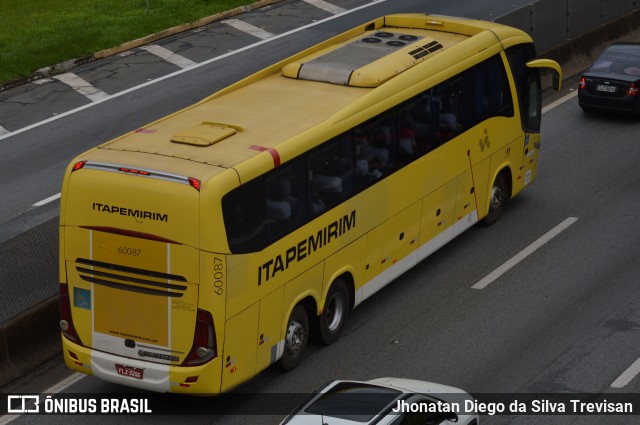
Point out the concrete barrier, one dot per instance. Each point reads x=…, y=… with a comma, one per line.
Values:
x=577, y=53
x=29, y=340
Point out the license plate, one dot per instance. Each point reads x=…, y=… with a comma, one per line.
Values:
x=132, y=372
x=608, y=89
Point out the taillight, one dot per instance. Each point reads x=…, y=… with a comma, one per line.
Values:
x=134, y=171
x=66, y=321
x=204, y=340
x=583, y=83
x=195, y=183
x=633, y=90
x=78, y=165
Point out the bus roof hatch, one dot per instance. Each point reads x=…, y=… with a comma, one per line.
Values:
x=205, y=134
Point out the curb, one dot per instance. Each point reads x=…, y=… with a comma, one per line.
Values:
x=69, y=64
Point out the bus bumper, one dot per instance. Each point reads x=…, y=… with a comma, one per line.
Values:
x=197, y=380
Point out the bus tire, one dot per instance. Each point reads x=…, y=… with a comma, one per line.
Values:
x=496, y=201
x=335, y=313
x=296, y=339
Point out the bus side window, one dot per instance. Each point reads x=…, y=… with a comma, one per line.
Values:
x=244, y=211
x=331, y=170
x=279, y=206
x=498, y=91
x=284, y=200
x=416, y=136
x=447, y=112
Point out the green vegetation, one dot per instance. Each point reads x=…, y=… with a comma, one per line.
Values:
x=39, y=33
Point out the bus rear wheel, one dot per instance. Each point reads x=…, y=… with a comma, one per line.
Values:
x=335, y=313
x=295, y=341
x=496, y=202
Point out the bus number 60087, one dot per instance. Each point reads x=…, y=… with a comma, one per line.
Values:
x=218, y=275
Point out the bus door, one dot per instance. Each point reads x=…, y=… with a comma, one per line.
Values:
x=526, y=74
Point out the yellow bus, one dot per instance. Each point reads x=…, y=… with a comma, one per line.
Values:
x=206, y=246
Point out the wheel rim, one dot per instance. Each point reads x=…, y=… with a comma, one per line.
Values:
x=496, y=198
x=335, y=311
x=295, y=337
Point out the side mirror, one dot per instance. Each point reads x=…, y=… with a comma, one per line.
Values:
x=551, y=65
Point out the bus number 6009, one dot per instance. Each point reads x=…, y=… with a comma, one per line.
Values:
x=218, y=275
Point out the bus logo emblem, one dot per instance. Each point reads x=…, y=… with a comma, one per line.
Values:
x=484, y=143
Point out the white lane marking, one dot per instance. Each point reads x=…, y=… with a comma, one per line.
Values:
x=326, y=6
x=55, y=389
x=627, y=375
x=524, y=253
x=81, y=86
x=169, y=56
x=47, y=200
x=3, y=131
x=65, y=383
x=559, y=101
x=248, y=28
x=182, y=71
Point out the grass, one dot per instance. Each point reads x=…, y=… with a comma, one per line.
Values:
x=39, y=33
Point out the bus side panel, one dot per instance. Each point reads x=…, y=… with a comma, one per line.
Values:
x=499, y=160
x=239, y=354
x=373, y=264
x=212, y=298
x=530, y=159
x=392, y=249
x=401, y=235
x=352, y=259
x=308, y=284
x=269, y=329
x=466, y=214
x=243, y=292
x=481, y=185
x=437, y=219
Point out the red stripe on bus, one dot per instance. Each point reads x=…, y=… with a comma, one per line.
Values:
x=274, y=153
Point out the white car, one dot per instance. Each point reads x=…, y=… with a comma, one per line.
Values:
x=385, y=401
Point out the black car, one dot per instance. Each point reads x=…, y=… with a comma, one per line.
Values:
x=612, y=81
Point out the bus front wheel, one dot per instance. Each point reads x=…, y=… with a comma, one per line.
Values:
x=496, y=202
x=296, y=339
x=334, y=315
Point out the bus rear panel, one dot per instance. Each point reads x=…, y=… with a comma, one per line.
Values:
x=130, y=292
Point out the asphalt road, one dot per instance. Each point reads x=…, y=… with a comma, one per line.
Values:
x=563, y=320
